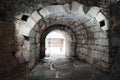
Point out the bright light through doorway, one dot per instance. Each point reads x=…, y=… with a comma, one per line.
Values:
x=55, y=45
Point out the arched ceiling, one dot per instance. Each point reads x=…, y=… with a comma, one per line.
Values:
x=85, y=25
x=76, y=13
x=15, y=7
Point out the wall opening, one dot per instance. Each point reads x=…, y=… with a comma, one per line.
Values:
x=57, y=44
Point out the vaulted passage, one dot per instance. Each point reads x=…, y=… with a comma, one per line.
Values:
x=67, y=41
x=85, y=35
x=59, y=39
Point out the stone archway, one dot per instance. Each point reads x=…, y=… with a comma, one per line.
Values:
x=92, y=42
x=70, y=35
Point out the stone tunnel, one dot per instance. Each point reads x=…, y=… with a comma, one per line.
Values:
x=89, y=39
x=88, y=43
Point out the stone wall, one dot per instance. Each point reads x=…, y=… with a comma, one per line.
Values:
x=92, y=42
x=9, y=65
x=115, y=51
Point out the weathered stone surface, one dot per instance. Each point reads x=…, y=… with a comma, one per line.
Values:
x=93, y=11
x=9, y=65
x=92, y=40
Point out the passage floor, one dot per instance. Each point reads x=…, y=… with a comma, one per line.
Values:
x=64, y=69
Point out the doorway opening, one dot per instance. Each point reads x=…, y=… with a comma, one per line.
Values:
x=57, y=41
x=57, y=44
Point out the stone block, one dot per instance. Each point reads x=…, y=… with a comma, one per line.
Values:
x=33, y=46
x=30, y=23
x=56, y=9
x=38, y=45
x=85, y=19
x=102, y=35
x=44, y=12
x=96, y=35
x=97, y=28
x=35, y=16
x=37, y=36
x=92, y=54
x=101, y=17
x=37, y=40
x=98, y=55
x=91, y=22
x=104, y=41
x=77, y=9
x=36, y=28
x=81, y=50
x=32, y=40
x=32, y=33
x=24, y=30
x=93, y=11
x=75, y=6
x=92, y=29
x=33, y=53
x=38, y=52
x=93, y=47
x=67, y=8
